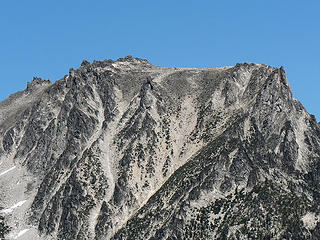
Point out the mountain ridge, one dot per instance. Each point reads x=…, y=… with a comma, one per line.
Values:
x=124, y=149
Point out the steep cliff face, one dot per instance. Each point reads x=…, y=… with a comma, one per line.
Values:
x=127, y=150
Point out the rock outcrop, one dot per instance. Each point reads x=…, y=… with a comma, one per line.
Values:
x=127, y=150
x=36, y=81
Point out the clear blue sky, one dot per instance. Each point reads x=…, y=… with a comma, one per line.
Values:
x=46, y=38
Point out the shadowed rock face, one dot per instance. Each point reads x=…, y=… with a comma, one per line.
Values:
x=127, y=150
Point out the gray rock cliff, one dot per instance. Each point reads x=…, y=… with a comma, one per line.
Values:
x=127, y=150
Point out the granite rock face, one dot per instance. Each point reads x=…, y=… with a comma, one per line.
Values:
x=127, y=150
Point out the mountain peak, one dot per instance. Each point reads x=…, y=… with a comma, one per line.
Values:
x=131, y=59
x=127, y=150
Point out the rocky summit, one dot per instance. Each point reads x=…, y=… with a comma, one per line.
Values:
x=128, y=150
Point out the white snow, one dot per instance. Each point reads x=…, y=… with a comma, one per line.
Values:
x=6, y=171
x=21, y=233
x=9, y=210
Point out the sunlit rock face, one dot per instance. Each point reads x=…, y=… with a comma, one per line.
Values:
x=127, y=150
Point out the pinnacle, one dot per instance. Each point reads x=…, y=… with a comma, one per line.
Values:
x=36, y=81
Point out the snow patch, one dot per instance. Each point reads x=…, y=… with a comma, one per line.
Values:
x=22, y=232
x=6, y=171
x=9, y=210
